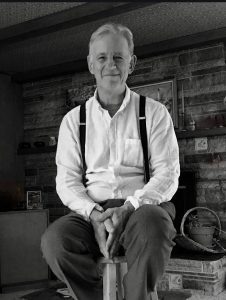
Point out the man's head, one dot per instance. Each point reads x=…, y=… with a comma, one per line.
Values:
x=111, y=56
x=114, y=29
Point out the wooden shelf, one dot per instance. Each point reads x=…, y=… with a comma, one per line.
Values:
x=46, y=149
x=186, y=134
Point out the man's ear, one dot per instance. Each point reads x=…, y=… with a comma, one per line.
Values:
x=90, y=64
x=132, y=63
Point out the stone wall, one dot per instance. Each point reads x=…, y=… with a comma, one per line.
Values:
x=201, y=71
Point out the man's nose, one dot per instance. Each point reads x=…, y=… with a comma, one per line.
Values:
x=111, y=63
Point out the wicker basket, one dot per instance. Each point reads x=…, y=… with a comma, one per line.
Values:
x=187, y=243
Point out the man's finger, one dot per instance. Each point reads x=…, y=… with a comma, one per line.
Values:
x=103, y=248
x=110, y=240
x=101, y=240
x=107, y=214
x=114, y=248
x=104, y=251
x=99, y=208
x=109, y=225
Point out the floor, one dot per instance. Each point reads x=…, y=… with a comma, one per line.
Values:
x=167, y=295
x=15, y=295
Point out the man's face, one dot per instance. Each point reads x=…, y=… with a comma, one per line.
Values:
x=110, y=62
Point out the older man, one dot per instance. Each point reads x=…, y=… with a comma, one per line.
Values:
x=115, y=208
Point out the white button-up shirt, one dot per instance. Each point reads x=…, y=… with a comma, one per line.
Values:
x=114, y=156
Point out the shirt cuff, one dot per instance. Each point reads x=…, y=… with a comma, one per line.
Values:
x=89, y=209
x=134, y=201
x=86, y=210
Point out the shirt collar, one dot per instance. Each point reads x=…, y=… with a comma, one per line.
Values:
x=125, y=101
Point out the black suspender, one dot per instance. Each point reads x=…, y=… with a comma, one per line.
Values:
x=82, y=132
x=143, y=136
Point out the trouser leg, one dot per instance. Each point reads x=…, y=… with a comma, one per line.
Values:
x=70, y=249
x=148, y=242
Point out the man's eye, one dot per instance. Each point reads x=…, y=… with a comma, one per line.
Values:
x=118, y=57
x=101, y=58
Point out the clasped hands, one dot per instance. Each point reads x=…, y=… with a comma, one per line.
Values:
x=108, y=226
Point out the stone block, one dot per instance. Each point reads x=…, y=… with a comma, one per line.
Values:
x=40, y=120
x=43, y=160
x=195, y=296
x=30, y=181
x=158, y=63
x=204, y=277
x=201, y=55
x=48, y=179
x=49, y=188
x=197, y=158
x=217, y=144
x=213, y=69
x=170, y=282
x=46, y=85
x=182, y=265
x=206, y=284
x=204, y=98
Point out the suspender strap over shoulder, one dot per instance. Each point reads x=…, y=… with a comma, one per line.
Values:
x=143, y=136
x=82, y=132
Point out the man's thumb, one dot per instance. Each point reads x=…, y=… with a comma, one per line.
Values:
x=99, y=208
x=105, y=215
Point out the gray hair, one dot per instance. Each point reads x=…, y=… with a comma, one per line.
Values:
x=116, y=29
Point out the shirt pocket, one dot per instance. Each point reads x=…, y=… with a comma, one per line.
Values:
x=133, y=153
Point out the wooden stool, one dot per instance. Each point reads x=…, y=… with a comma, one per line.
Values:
x=113, y=272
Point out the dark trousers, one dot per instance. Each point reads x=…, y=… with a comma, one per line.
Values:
x=70, y=249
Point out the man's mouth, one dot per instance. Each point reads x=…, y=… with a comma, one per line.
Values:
x=111, y=75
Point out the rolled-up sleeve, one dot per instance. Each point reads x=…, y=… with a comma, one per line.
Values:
x=69, y=185
x=163, y=160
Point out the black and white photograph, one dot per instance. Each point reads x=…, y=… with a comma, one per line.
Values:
x=34, y=199
x=112, y=150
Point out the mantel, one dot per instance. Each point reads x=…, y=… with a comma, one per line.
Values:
x=186, y=134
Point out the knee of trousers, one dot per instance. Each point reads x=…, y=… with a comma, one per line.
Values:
x=150, y=223
x=51, y=245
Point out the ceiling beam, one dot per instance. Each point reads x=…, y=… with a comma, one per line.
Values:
x=184, y=42
x=72, y=17
x=172, y=45
x=70, y=67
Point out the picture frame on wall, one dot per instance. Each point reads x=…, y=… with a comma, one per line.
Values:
x=34, y=200
x=164, y=91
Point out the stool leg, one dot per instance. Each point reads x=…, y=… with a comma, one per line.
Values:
x=119, y=278
x=154, y=295
x=121, y=270
x=109, y=282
